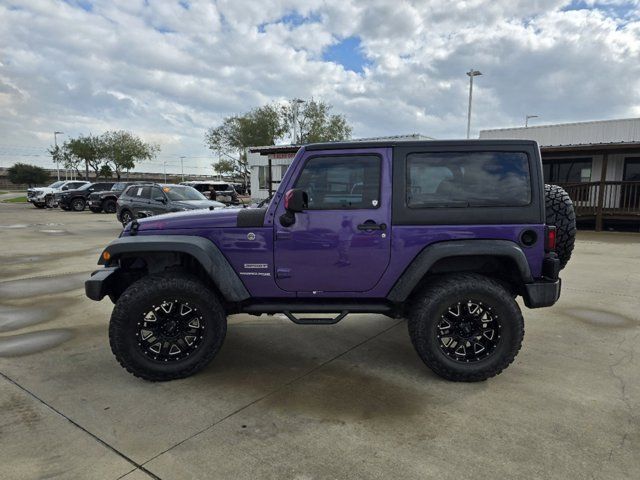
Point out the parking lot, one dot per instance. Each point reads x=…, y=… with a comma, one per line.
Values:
x=350, y=400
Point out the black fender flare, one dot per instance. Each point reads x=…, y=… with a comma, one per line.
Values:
x=203, y=250
x=421, y=264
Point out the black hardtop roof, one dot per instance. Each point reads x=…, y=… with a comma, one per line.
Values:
x=416, y=143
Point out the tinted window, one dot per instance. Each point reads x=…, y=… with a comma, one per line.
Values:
x=574, y=170
x=341, y=182
x=156, y=193
x=74, y=185
x=468, y=179
x=137, y=191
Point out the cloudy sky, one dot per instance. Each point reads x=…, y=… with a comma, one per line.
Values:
x=167, y=70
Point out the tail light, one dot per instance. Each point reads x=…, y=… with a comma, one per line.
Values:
x=550, y=240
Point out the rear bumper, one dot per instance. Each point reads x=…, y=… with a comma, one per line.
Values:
x=99, y=284
x=542, y=294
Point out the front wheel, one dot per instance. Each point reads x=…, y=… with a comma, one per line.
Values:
x=466, y=327
x=110, y=206
x=125, y=217
x=50, y=202
x=165, y=327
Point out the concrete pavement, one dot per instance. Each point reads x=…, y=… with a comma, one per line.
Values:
x=286, y=401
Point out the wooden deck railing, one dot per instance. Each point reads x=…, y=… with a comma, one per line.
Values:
x=618, y=199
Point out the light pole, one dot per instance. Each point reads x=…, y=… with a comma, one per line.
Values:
x=182, y=167
x=55, y=142
x=296, y=103
x=472, y=73
x=526, y=119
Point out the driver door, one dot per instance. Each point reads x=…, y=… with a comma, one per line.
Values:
x=341, y=242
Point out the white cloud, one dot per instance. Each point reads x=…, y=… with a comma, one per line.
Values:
x=168, y=72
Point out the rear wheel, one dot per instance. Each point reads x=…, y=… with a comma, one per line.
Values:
x=110, y=206
x=466, y=327
x=78, y=204
x=165, y=327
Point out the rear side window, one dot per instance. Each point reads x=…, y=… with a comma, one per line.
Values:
x=341, y=182
x=468, y=179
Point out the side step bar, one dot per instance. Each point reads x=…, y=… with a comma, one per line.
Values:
x=317, y=320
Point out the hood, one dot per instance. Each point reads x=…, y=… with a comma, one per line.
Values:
x=195, y=204
x=196, y=219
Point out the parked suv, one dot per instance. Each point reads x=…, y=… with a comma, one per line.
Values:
x=219, y=191
x=139, y=201
x=76, y=200
x=443, y=233
x=42, y=197
x=105, y=201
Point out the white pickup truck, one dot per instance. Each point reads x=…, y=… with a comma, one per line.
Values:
x=45, y=196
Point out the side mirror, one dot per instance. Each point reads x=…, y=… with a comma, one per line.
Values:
x=160, y=199
x=296, y=200
x=64, y=188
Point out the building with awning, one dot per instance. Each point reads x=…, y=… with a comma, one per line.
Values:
x=598, y=163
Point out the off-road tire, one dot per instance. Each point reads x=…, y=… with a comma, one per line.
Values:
x=123, y=217
x=560, y=212
x=153, y=290
x=109, y=206
x=76, y=203
x=427, y=310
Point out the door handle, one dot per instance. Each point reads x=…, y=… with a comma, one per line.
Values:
x=371, y=225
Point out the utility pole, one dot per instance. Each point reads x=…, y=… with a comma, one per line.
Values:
x=526, y=119
x=471, y=73
x=55, y=142
x=182, y=167
x=164, y=165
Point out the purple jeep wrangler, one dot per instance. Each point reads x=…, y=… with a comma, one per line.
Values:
x=444, y=233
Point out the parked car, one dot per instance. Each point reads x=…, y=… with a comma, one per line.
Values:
x=219, y=191
x=147, y=200
x=42, y=197
x=76, y=200
x=105, y=201
x=443, y=233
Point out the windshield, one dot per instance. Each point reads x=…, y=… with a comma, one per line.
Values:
x=55, y=184
x=183, y=193
x=118, y=186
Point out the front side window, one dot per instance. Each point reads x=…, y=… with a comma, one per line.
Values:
x=468, y=179
x=341, y=182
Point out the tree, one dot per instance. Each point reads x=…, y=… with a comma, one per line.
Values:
x=29, y=174
x=313, y=122
x=84, y=149
x=260, y=126
x=122, y=150
x=105, y=171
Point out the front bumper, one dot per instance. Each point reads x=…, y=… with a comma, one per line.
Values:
x=99, y=284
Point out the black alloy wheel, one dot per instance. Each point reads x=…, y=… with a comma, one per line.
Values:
x=469, y=331
x=170, y=331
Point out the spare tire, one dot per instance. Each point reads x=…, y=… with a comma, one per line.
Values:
x=560, y=212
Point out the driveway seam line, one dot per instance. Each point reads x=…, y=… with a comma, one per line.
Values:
x=77, y=425
x=277, y=390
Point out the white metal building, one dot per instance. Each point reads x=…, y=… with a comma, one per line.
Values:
x=597, y=162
